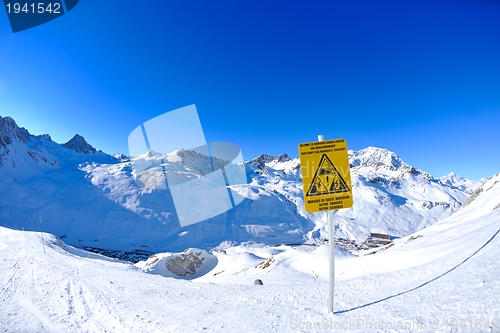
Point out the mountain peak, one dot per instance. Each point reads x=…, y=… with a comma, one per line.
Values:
x=9, y=131
x=451, y=179
x=121, y=157
x=460, y=182
x=282, y=158
x=8, y=121
x=383, y=159
x=78, y=144
x=261, y=160
x=376, y=157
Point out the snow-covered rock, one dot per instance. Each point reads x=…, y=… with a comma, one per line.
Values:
x=190, y=264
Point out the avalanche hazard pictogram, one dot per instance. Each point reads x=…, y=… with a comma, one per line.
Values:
x=327, y=180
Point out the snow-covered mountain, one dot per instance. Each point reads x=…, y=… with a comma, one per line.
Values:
x=89, y=198
x=462, y=183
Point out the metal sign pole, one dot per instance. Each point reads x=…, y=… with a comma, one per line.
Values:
x=331, y=261
x=331, y=256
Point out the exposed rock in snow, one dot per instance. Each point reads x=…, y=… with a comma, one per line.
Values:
x=486, y=186
x=473, y=196
x=17, y=146
x=9, y=131
x=45, y=137
x=185, y=263
x=78, y=144
x=190, y=264
x=261, y=160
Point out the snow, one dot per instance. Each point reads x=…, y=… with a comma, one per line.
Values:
x=445, y=277
x=440, y=273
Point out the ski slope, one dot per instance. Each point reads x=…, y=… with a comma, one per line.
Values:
x=442, y=278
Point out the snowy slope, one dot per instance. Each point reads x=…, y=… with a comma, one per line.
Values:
x=443, y=278
x=89, y=198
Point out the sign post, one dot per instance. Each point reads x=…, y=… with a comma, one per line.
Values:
x=326, y=179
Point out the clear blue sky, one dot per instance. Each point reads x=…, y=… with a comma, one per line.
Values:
x=421, y=78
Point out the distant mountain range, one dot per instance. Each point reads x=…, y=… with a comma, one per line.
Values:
x=89, y=198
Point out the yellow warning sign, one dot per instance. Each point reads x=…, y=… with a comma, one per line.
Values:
x=326, y=176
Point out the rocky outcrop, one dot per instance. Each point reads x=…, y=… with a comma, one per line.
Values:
x=185, y=263
x=78, y=144
x=261, y=160
x=10, y=131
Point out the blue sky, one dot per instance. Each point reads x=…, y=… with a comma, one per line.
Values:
x=421, y=78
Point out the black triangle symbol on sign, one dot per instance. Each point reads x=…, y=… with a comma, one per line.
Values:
x=327, y=180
